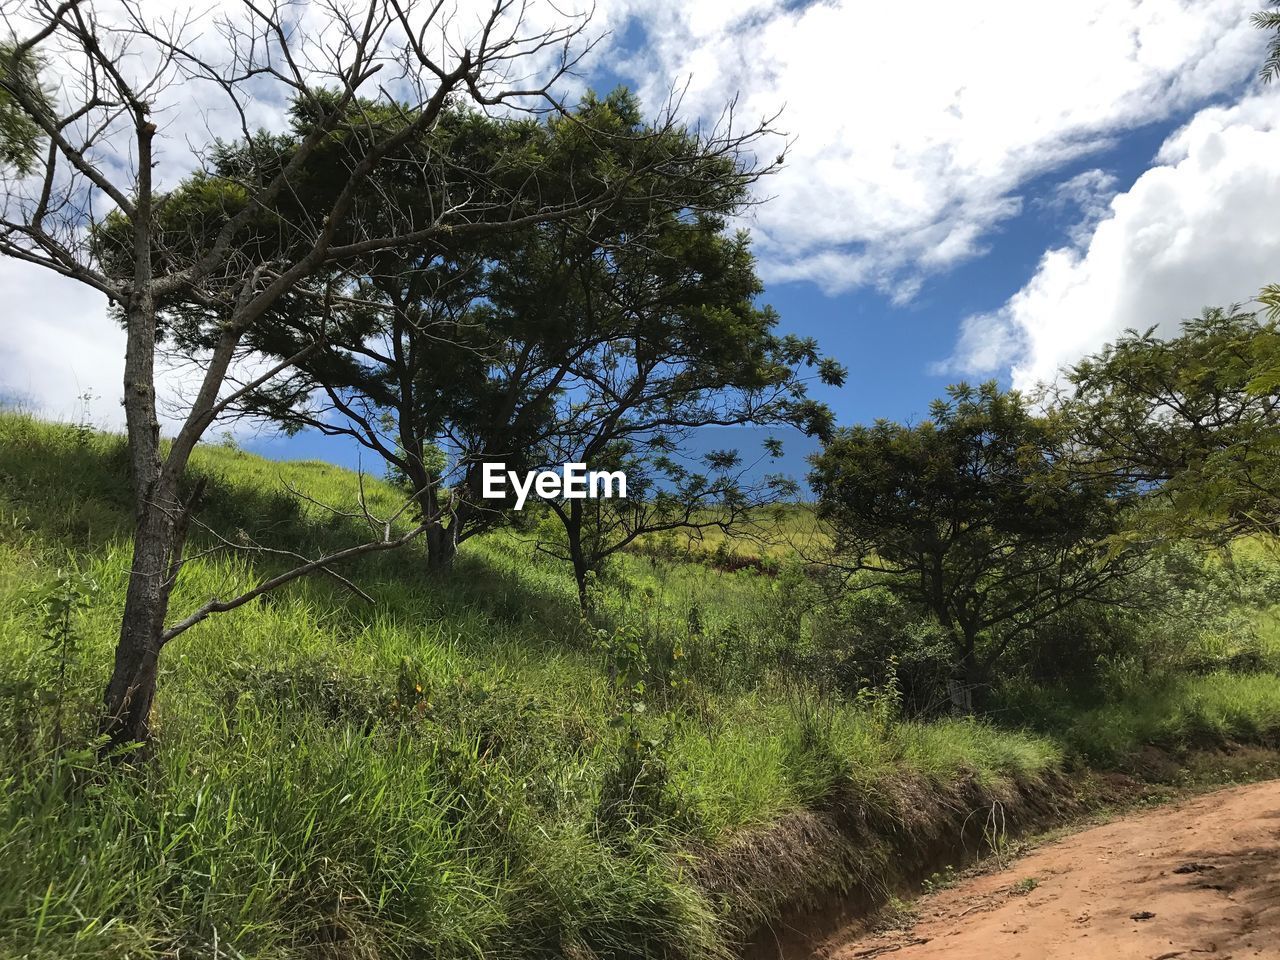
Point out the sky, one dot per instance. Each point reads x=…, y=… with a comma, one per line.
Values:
x=971, y=190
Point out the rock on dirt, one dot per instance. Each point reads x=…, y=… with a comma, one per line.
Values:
x=1196, y=880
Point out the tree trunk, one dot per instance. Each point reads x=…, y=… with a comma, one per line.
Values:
x=577, y=555
x=441, y=537
x=960, y=693
x=442, y=548
x=131, y=690
x=580, y=571
x=160, y=516
x=966, y=677
x=157, y=510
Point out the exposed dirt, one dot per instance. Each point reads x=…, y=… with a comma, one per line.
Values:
x=1196, y=879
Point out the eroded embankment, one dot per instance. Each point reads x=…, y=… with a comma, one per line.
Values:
x=820, y=875
x=1196, y=879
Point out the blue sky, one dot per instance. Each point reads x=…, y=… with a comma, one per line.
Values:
x=988, y=189
x=902, y=350
x=893, y=351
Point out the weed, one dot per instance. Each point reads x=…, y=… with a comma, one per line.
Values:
x=940, y=879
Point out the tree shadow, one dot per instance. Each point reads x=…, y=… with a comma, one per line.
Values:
x=69, y=487
x=1244, y=883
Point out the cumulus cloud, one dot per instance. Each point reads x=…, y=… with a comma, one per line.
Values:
x=914, y=129
x=57, y=345
x=57, y=342
x=916, y=124
x=985, y=346
x=1197, y=229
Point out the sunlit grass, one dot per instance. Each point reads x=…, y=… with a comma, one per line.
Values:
x=421, y=776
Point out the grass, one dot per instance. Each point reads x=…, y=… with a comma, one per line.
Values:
x=438, y=774
x=1181, y=712
x=1173, y=712
x=775, y=533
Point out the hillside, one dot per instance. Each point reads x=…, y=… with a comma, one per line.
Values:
x=459, y=765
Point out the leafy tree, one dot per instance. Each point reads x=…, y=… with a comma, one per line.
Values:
x=974, y=517
x=1270, y=20
x=663, y=493
x=514, y=348
x=689, y=347
x=236, y=254
x=20, y=135
x=379, y=344
x=1190, y=424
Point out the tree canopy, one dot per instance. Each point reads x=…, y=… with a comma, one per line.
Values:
x=20, y=135
x=974, y=516
x=626, y=326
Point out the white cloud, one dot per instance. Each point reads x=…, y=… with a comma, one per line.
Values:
x=57, y=342
x=915, y=127
x=52, y=352
x=985, y=345
x=1199, y=229
x=62, y=355
x=1086, y=196
x=916, y=124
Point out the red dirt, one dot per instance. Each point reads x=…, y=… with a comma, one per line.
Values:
x=1196, y=880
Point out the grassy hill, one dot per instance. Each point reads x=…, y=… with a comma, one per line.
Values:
x=463, y=767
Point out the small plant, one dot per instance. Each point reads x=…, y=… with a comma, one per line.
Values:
x=1024, y=886
x=897, y=914
x=995, y=833
x=940, y=879
x=83, y=430
x=628, y=666
x=56, y=606
x=884, y=702
x=636, y=791
x=413, y=694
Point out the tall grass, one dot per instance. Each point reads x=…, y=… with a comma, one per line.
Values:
x=1179, y=712
x=430, y=775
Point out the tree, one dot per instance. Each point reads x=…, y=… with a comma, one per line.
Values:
x=973, y=516
x=1189, y=424
x=1270, y=20
x=463, y=352
x=20, y=136
x=662, y=494
x=688, y=347
x=115, y=64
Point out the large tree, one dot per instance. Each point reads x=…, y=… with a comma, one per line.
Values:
x=974, y=516
x=667, y=489
x=689, y=347
x=463, y=352
x=465, y=344
x=370, y=82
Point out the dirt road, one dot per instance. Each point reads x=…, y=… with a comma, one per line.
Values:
x=1197, y=880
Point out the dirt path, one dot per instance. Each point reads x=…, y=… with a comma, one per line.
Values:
x=1197, y=879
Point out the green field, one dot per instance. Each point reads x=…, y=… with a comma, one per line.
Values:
x=464, y=767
